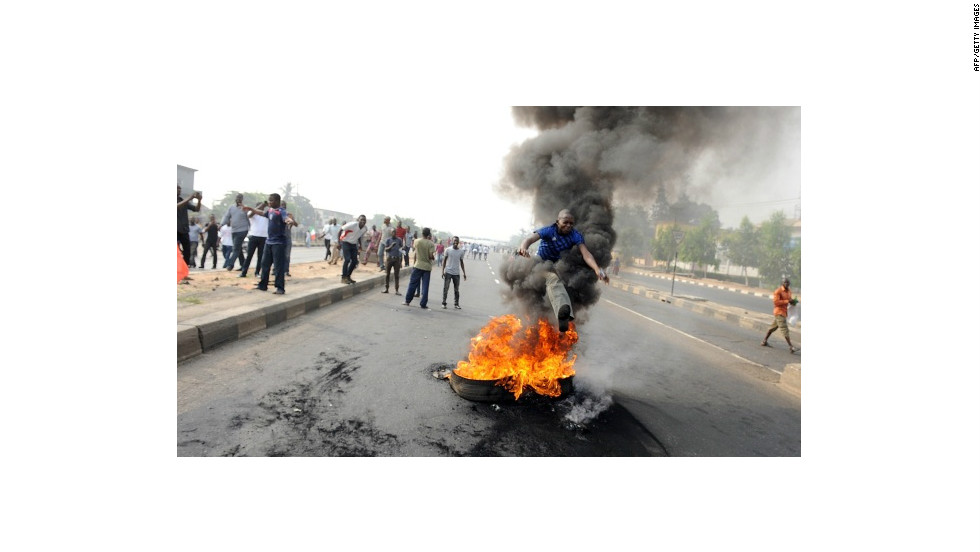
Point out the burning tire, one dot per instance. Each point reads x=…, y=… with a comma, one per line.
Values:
x=490, y=391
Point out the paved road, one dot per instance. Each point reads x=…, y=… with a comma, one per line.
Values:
x=754, y=301
x=318, y=385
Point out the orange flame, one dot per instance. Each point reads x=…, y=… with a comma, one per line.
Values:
x=537, y=357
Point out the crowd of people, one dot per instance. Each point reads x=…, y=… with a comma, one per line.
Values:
x=262, y=232
x=266, y=228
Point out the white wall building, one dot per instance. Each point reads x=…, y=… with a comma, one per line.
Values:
x=185, y=179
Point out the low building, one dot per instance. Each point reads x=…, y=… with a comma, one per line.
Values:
x=185, y=179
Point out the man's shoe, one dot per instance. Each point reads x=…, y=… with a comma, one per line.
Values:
x=280, y=292
x=260, y=288
x=242, y=275
x=564, y=315
x=424, y=308
x=349, y=281
x=443, y=305
x=458, y=307
x=385, y=291
x=396, y=292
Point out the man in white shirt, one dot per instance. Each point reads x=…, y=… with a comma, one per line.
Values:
x=351, y=234
x=385, y=231
x=258, y=231
x=333, y=236
x=227, y=241
x=452, y=264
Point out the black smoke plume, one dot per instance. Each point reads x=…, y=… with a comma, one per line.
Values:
x=584, y=156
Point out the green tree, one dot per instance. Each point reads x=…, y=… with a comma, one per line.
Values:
x=775, y=250
x=220, y=208
x=633, y=230
x=663, y=245
x=742, y=247
x=796, y=264
x=407, y=222
x=631, y=243
x=301, y=208
x=700, y=244
x=660, y=210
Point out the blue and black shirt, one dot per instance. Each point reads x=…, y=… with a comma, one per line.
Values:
x=553, y=243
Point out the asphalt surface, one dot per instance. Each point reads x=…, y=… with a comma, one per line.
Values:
x=215, y=317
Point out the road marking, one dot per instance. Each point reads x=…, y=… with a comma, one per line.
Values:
x=743, y=359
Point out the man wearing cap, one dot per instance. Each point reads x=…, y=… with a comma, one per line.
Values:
x=780, y=299
x=560, y=236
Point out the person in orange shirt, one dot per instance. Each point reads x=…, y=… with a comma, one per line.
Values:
x=780, y=299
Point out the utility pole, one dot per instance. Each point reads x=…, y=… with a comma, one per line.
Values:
x=678, y=236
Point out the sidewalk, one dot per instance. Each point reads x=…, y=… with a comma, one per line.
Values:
x=217, y=306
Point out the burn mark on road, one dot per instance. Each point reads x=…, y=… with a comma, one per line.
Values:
x=338, y=368
x=440, y=370
x=300, y=419
x=580, y=425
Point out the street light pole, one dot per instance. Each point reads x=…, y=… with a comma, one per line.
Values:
x=674, y=277
x=678, y=237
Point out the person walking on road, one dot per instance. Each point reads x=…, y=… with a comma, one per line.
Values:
x=392, y=250
x=183, y=225
x=425, y=253
x=351, y=235
x=333, y=236
x=384, y=231
x=227, y=242
x=210, y=233
x=280, y=224
x=440, y=250
x=781, y=298
x=560, y=236
x=289, y=237
x=195, y=236
x=407, y=245
x=257, y=234
x=373, y=238
x=452, y=264
x=237, y=219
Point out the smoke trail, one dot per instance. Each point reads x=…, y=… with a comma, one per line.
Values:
x=587, y=156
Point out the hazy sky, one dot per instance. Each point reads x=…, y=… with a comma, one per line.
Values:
x=439, y=169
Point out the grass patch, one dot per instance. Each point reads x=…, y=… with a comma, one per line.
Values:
x=190, y=299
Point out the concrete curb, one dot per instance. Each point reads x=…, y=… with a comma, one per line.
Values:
x=204, y=333
x=744, y=319
x=789, y=378
x=662, y=276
